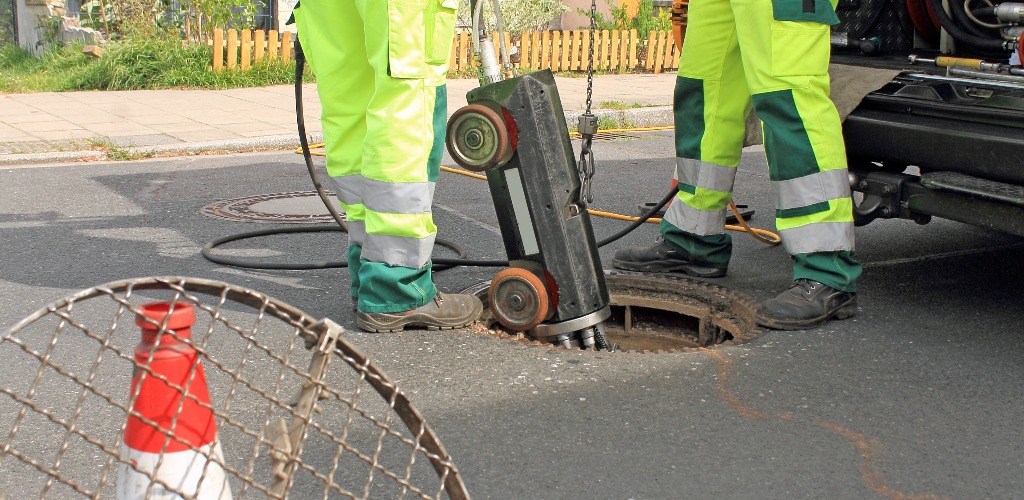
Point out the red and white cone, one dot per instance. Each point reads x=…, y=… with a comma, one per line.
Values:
x=173, y=461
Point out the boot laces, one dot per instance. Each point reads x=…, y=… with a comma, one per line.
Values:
x=807, y=285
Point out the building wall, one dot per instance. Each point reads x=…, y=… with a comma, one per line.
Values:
x=29, y=12
x=572, y=20
x=284, y=11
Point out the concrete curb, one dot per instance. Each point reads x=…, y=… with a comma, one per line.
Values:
x=290, y=141
x=274, y=142
x=653, y=116
x=54, y=157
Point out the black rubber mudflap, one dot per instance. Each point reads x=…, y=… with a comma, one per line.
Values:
x=974, y=186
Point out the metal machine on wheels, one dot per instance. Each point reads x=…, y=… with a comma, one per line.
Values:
x=514, y=130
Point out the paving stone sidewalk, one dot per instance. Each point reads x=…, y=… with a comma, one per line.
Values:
x=68, y=126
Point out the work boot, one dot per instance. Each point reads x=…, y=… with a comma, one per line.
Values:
x=806, y=304
x=444, y=312
x=661, y=257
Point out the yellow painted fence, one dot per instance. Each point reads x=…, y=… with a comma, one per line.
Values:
x=569, y=50
x=558, y=50
x=242, y=49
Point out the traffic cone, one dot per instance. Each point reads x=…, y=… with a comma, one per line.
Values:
x=155, y=455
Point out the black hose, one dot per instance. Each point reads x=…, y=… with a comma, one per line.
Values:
x=207, y=251
x=984, y=12
x=438, y=264
x=300, y=65
x=960, y=35
x=637, y=223
x=960, y=15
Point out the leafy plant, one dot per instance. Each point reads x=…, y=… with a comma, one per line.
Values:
x=98, y=15
x=116, y=153
x=119, y=19
x=49, y=30
x=518, y=15
x=6, y=23
x=643, y=22
x=196, y=19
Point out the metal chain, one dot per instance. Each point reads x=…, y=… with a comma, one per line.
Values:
x=590, y=56
x=587, y=126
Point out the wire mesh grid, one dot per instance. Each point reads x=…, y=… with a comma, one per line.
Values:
x=298, y=411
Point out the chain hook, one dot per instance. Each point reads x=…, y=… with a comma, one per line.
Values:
x=587, y=127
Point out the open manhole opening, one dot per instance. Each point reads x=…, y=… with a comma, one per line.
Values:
x=659, y=313
x=638, y=328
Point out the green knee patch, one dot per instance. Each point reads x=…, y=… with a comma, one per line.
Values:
x=814, y=11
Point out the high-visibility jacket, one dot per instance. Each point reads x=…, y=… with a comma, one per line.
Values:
x=771, y=55
x=380, y=67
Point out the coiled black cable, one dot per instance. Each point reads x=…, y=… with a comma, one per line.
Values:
x=438, y=264
x=961, y=35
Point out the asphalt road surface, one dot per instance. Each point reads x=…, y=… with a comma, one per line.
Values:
x=917, y=396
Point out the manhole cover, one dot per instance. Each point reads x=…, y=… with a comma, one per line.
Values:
x=659, y=313
x=297, y=207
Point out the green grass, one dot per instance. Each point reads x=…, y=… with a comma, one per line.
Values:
x=115, y=152
x=151, y=63
x=619, y=105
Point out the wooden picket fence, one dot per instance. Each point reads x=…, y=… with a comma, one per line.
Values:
x=242, y=49
x=562, y=50
x=569, y=50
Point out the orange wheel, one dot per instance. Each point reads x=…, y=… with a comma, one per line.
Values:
x=518, y=299
x=478, y=138
x=552, y=285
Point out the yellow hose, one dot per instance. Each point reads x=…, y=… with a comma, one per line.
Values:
x=762, y=235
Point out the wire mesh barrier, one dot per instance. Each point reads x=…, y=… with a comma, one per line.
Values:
x=190, y=388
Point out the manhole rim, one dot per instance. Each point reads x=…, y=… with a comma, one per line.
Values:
x=750, y=330
x=238, y=209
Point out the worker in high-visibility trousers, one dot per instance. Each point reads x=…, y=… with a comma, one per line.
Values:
x=380, y=67
x=772, y=55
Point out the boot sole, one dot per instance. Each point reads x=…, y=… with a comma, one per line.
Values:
x=417, y=321
x=665, y=266
x=844, y=311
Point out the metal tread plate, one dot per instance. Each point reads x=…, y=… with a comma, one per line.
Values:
x=974, y=186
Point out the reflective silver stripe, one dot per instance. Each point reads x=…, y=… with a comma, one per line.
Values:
x=398, y=250
x=812, y=189
x=385, y=197
x=692, y=220
x=349, y=188
x=398, y=197
x=705, y=175
x=356, y=232
x=517, y=194
x=818, y=237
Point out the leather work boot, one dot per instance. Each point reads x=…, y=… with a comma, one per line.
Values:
x=661, y=257
x=806, y=304
x=445, y=312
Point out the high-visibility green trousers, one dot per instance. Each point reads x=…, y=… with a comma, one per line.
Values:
x=380, y=67
x=772, y=55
